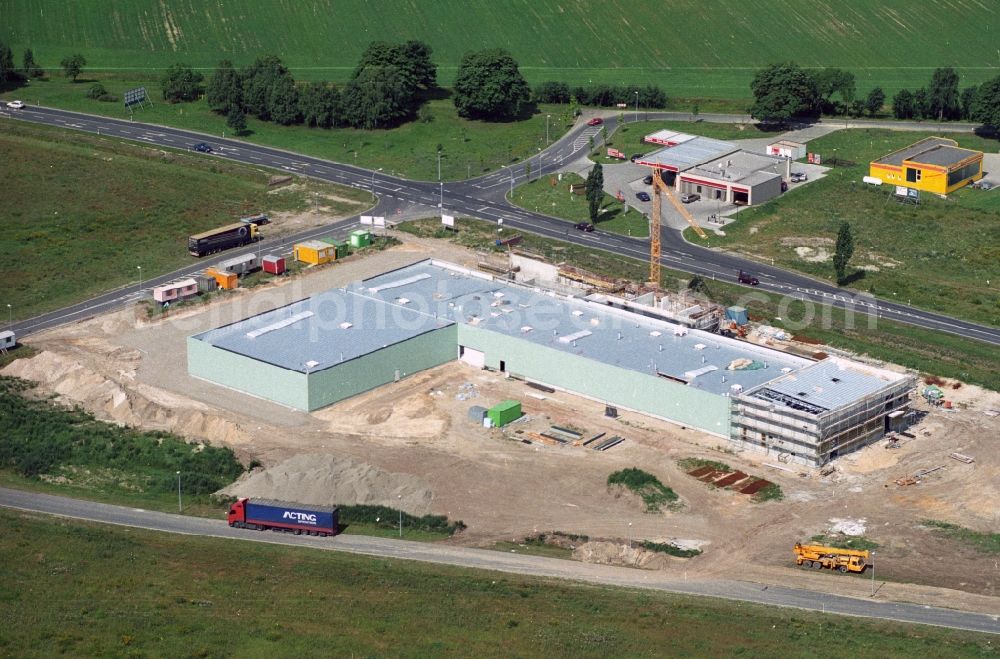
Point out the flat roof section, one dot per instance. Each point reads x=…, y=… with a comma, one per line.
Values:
x=829, y=384
x=322, y=331
x=741, y=167
x=948, y=154
x=688, y=153
x=585, y=328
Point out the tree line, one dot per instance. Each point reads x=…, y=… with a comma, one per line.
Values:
x=785, y=91
x=601, y=95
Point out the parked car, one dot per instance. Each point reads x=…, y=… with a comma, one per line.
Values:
x=798, y=177
x=635, y=156
x=642, y=196
x=15, y=105
x=648, y=180
x=584, y=226
x=203, y=147
x=688, y=197
x=596, y=121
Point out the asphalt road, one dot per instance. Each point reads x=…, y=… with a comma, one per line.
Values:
x=512, y=563
x=483, y=197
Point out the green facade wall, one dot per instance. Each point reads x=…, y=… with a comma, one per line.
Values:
x=378, y=368
x=617, y=386
x=247, y=375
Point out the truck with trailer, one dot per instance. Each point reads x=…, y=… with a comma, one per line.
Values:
x=282, y=516
x=216, y=240
x=818, y=557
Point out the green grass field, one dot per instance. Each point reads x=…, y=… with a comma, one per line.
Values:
x=937, y=255
x=97, y=209
x=926, y=351
x=468, y=148
x=88, y=590
x=692, y=49
x=555, y=200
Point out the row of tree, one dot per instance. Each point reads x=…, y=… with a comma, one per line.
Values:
x=601, y=95
x=942, y=100
x=9, y=73
x=785, y=91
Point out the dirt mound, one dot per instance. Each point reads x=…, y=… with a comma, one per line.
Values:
x=612, y=553
x=138, y=405
x=329, y=479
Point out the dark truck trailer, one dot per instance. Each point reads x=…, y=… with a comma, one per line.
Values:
x=216, y=240
x=297, y=518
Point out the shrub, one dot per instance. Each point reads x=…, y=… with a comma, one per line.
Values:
x=653, y=493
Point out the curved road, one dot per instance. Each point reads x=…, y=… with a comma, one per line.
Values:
x=512, y=563
x=483, y=197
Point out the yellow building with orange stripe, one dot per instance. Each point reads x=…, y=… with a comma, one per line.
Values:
x=934, y=164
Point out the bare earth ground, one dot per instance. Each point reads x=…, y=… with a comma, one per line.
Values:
x=133, y=372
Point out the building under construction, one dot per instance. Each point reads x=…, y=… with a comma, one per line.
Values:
x=340, y=343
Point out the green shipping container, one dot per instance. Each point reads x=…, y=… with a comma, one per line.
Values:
x=340, y=247
x=504, y=413
x=361, y=238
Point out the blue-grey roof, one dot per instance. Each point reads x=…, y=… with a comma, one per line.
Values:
x=587, y=329
x=307, y=335
x=322, y=331
x=689, y=153
x=828, y=384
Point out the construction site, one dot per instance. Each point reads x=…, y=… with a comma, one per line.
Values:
x=516, y=431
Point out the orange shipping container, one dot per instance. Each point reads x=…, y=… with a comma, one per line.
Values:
x=227, y=280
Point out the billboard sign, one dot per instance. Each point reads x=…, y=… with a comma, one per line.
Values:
x=366, y=219
x=448, y=220
x=379, y=221
x=135, y=96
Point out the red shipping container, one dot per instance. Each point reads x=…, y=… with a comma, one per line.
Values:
x=274, y=265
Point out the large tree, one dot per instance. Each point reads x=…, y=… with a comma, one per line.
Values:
x=843, y=251
x=412, y=58
x=73, y=66
x=832, y=81
x=874, y=101
x=258, y=80
x=31, y=68
x=594, y=189
x=8, y=73
x=942, y=94
x=902, y=104
x=283, y=102
x=490, y=86
x=783, y=91
x=986, y=106
x=181, y=83
x=376, y=98
x=224, y=92
x=319, y=104
x=968, y=100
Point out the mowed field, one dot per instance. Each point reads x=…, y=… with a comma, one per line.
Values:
x=82, y=213
x=692, y=48
x=129, y=592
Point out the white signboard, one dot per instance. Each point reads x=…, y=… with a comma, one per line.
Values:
x=871, y=180
x=366, y=219
x=448, y=220
x=379, y=221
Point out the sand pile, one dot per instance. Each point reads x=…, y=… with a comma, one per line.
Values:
x=613, y=553
x=329, y=479
x=138, y=405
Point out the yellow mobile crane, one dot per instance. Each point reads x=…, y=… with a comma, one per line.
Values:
x=835, y=558
x=654, y=227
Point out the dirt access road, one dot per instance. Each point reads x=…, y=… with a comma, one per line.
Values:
x=129, y=370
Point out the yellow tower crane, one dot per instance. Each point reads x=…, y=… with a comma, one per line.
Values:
x=654, y=227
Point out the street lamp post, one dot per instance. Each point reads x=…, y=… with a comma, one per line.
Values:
x=441, y=197
x=547, y=128
x=539, y=163
x=399, y=497
x=10, y=316
x=139, y=267
x=630, y=535
x=180, y=505
x=873, y=573
x=637, y=106
x=439, y=165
